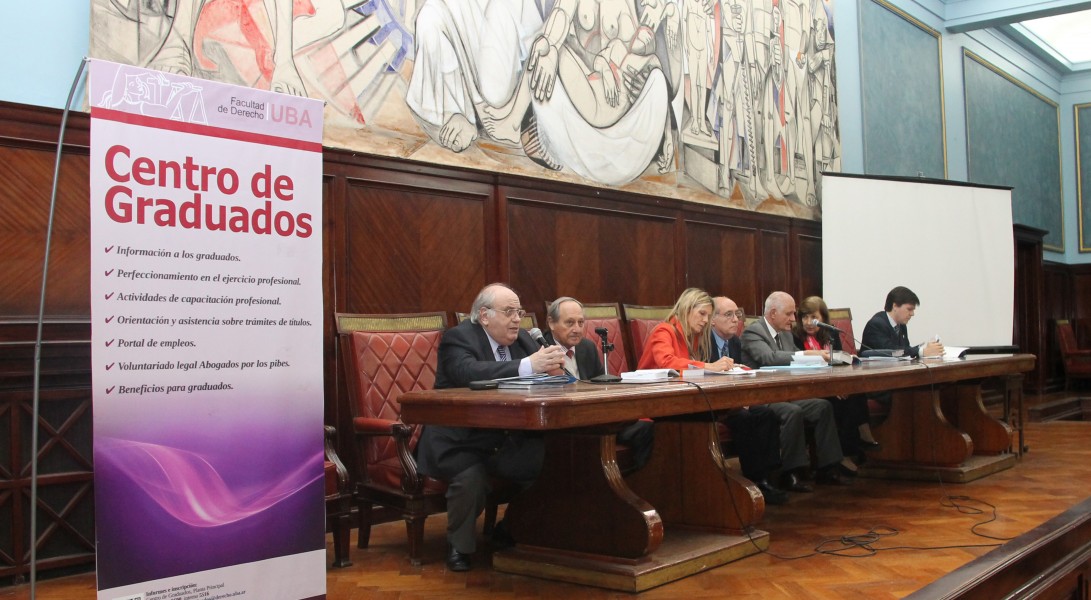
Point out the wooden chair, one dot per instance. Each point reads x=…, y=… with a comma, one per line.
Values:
x=529, y=321
x=608, y=315
x=641, y=321
x=1076, y=360
x=841, y=318
x=385, y=356
x=338, y=500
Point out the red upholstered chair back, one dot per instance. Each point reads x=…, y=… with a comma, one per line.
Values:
x=841, y=318
x=608, y=316
x=386, y=356
x=642, y=320
x=1066, y=337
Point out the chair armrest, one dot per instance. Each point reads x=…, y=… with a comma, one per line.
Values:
x=331, y=456
x=365, y=426
x=412, y=481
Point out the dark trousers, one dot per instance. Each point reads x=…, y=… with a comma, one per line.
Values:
x=755, y=432
x=850, y=413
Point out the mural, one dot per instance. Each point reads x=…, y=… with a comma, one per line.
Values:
x=729, y=102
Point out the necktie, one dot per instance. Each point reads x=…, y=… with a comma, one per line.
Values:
x=780, y=341
x=723, y=350
x=502, y=353
x=570, y=353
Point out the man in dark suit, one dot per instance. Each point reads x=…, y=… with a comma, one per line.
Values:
x=488, y=345
x=566, y=323
x=887, y=330
x=755, y=430
x=768, y=342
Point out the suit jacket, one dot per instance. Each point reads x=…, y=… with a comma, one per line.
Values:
x=587, y=357
x=759, y=349
x=734, y=350
x=879, y=335
x=465, y=355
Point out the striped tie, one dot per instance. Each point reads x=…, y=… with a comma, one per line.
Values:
x=502, y=353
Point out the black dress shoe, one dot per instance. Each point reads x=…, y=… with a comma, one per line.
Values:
x=501, y=537
x=830, y=476
x=791, y=482
x=869, y=446
x=457, y=561
x=772, y=494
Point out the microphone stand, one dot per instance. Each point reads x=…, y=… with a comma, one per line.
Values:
x=607, y=348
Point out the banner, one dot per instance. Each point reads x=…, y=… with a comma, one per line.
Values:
x=206, y=307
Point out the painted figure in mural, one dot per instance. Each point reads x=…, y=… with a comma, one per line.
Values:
x=601, y=89
x=737, y=141
x=697, y=53
x=469, y=55
x=179, y=54
x=610, y=115
x=821, y=95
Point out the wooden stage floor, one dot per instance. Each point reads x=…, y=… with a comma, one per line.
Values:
x=1053, y=476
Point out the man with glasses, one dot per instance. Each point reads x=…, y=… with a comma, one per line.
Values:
x=755, y=430
x=488, y=345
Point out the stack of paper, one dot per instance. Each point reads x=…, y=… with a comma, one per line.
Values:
x=537, y=380
x=648, y=375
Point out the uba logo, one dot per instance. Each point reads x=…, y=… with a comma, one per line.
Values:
x=289, y=115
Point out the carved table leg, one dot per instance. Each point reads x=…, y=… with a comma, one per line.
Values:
x=962, y=403
x=580, y=502
x=690, y=485
x=917, y=432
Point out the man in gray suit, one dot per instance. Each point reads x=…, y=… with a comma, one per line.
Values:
x=768, y=342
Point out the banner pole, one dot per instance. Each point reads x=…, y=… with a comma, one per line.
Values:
x=38, y=341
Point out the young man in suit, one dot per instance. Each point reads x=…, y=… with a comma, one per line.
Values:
x=754, y=429
x=566, y=322
x=488, y=345
x=769, y=342
x=887, y=329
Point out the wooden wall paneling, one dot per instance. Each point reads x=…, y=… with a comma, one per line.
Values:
x=66, y=504
x=564, y=243
x=1080, y=307
x=723, y=261
x=1057, y=302
x=413, y=248
x=807, y=263
x=774, y=268
x=28, y=175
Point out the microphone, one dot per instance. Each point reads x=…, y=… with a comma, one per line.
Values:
x=536, y=335
x=827, y=326
x=602, y=331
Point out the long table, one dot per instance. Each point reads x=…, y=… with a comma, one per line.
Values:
x=685, y=511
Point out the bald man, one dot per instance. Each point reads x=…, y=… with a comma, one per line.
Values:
x=488, y=345
x=755, y=430
x=769, y=342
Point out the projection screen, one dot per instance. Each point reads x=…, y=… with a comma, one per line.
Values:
x=950, y=242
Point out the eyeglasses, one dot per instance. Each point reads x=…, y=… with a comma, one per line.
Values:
x=509, y=312
x=737, y=313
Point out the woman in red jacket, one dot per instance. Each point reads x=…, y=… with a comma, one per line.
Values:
x=683, y=339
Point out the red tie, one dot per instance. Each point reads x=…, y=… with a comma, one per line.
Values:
x=569, y=353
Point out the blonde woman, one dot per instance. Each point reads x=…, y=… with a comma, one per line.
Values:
x=683, y=339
